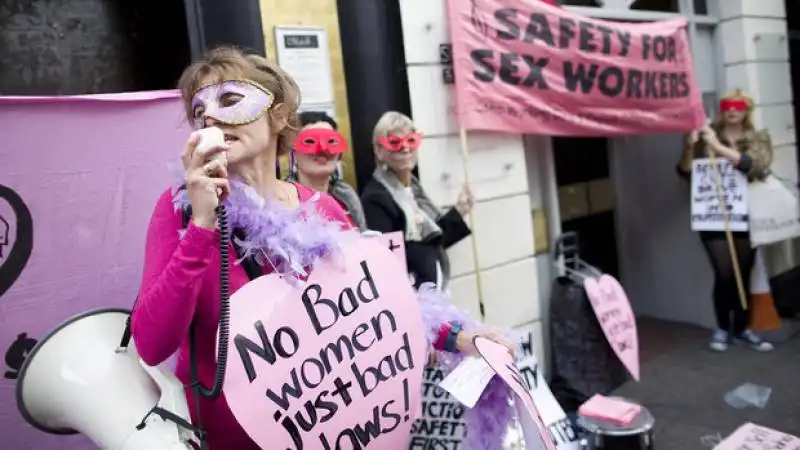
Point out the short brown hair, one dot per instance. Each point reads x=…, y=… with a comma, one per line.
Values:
x=230, y=63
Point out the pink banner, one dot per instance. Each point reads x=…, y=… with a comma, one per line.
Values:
x=613, y=311
x=526, y=66
x=79, y=179
x=336, y=363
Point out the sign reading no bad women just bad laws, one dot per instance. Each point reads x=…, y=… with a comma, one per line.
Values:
x=530, y=67
x=336, y=363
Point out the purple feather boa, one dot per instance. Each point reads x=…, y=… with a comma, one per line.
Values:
x=290, y=241
x=489, y=421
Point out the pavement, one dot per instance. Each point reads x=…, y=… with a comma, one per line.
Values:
x=683, y=384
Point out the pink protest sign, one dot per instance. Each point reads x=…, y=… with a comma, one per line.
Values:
x=78, y=182
x=754, y=437
x=537, y=437
x=526, y=66
x=336, y=363
x=613, y=311
x=396, y=243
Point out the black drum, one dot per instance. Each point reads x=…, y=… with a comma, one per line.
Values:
x=602, y=435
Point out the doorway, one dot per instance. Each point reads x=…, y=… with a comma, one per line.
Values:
x=793, y=25
x=586, y=198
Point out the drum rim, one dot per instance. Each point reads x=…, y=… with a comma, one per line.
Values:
x=596, y=430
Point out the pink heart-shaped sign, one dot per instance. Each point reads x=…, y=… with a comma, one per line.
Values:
x=613, y=311
x=336, y=363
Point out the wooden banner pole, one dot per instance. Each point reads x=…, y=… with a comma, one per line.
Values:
x=737, y=271
x=470, y=221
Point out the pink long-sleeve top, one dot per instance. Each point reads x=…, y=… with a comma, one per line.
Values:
x=181, y=283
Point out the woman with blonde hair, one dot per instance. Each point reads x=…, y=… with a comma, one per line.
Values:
x=731, y=136
x=394, y=200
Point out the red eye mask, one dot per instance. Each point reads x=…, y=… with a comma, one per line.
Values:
x=395, y=143
x=736, y=105
x=317, y=140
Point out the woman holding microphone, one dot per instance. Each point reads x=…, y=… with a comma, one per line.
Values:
x=254, y=103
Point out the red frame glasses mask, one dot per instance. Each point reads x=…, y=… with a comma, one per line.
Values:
x=735, y=105
x=394, y=143
x=317, y=140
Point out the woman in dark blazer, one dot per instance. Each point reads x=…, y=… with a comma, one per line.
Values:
x=393, y=200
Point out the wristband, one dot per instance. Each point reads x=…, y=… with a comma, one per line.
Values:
x=444, y=331
x=450, y=342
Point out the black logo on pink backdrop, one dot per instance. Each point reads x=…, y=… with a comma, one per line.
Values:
x=16, y=237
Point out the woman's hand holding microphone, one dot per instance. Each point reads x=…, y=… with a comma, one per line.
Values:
x=206, y=174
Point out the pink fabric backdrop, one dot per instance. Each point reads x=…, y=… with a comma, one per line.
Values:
x=516, y=62
x=89, y=170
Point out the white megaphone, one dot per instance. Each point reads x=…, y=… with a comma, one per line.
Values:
x=79, y=380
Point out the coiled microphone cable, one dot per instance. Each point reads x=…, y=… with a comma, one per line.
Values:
x=223, y=336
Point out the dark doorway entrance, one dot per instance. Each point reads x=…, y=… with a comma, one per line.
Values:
x=584, y=184
x=793, y=24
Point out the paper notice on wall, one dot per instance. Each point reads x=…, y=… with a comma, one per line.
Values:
x=442, y=425
x=553, y=415
x=303, y=53
x=708, y=213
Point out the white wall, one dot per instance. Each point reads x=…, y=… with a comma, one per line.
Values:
x=502, y=220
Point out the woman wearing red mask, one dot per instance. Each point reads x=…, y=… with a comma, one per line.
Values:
x=731, y=136
x=394, y=200
x=315, y=162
